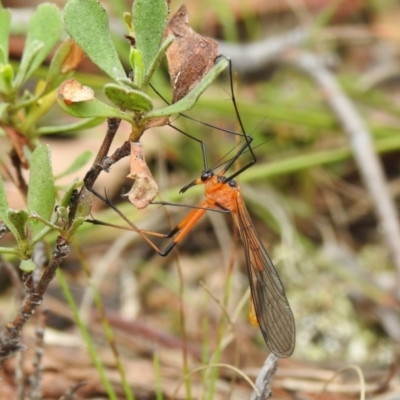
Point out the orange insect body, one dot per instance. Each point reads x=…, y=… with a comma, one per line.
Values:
x=271, y=312
x=270, y=309
x=221, y=194
x=218, y=195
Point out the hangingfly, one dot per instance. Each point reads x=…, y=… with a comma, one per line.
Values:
x=222, y=193
x=272, y=309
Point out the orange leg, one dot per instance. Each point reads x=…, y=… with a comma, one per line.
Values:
x=182, y=229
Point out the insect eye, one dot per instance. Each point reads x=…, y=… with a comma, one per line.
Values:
x=206, y=175
x=232, y=183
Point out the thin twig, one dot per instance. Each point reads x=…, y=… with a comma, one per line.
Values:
x=70, y=393
x=10, y=341
x=35, y=380
x=263, y=381
x=98, y=164
x=19, y=376
x=20, y=180
x=15, y=279
x=3, y=230
x=361, y=143
x=103, y=162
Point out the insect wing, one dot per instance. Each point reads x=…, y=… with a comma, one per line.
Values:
x=271, y=305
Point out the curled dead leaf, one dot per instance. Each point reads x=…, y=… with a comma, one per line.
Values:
x=73, y=91
x=18, y=141
x=154, y=122
x=190, y=56
x=144, y=188
x=73, y=58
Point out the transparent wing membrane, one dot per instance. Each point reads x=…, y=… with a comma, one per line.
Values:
x=273, y=312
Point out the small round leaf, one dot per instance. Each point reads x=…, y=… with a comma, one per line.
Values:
x=27, y=265
x=128, y=99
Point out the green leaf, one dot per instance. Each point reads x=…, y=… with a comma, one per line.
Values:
x=136, y=61
x=4, y=206
x=128, y=99
x=7, y=73
x=5, y=18
x=60, y=214
x=18, y=220
x=69, y=128
x=156, y=62
x=3, y=56
x=27, y=265
x=36, y=111
x=65, y=200
x=190, y=99
x=5, y=212
x=77, y=164
x=128, y=23
x=41, y=192
x=3, y=200
x=83, y=209
x=127, y=82
x=93, y=108
x=149, y=20
x=45, y=26
x=54, y=74
x=6, y=79
x=87, y=23
x=3, y=108
x=31, y=50
x=57, y=61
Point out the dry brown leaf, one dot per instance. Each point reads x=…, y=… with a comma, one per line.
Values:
x=18, y=142
x=190, y=56
x=154, y=122
x=73, y=91
x=144, y=188
x=73, y=58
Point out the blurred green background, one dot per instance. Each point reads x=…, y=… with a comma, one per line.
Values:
x=305, y=194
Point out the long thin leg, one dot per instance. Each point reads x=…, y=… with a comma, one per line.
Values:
x=166, y=203
x=247, y=137
x=238, y=154
x=98, y=166
x=194, y=119
x=133, y=228
x=203, y=147
x=187, y=224
x=182, y=229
